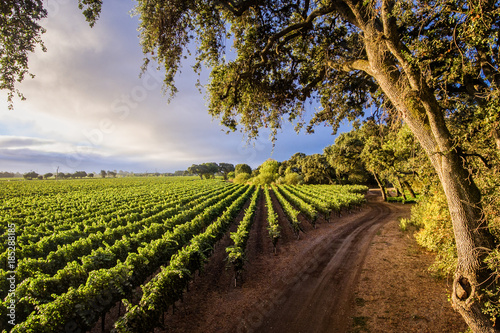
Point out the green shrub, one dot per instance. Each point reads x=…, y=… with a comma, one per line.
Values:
x=404, y=224
x=264, y=178
x=293, y=178
x=241, y=178
x=435, y=231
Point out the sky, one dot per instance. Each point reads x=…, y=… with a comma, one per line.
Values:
x=88, y=109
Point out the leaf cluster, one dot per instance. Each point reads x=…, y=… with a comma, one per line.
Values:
x=20, y=34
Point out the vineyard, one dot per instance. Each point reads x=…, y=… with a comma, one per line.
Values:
x=73, y=250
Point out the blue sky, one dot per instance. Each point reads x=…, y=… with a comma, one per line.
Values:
x=87, y=109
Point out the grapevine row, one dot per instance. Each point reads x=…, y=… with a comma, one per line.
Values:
x=236, y=253
x=168, y=286
x=272, y=219
x=318, y=204
x=101, y=257
x=290, y=212
x=309, y=211
x=95, y=218
x=93, y=240
x=338, y=197
x=42, y=215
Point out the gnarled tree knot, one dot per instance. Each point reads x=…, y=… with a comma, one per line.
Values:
x=462, y=288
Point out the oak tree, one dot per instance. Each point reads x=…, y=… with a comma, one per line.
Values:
x=242, y=168
x=316, y=170
x=344, y=157
x=225, y=169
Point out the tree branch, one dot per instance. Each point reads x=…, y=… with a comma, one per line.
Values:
x=395, y=46
x=237, y=9
x=306, y=9
x=358, y=15
x=353, y=65
x=306, y=91
x=481, y=157
x=306, y=23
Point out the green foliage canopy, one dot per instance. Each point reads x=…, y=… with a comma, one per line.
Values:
x=225, y=169
x=242, y=168
x=268, y=173
x=344, y=157
x=317, y=170
x=20, y=34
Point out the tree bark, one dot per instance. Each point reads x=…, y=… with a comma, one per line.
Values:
x=401, y=190
x=382, y=187
x=396, y=188
x=496, y=136
x=410, y=189
x=472, y=237
x=419, y=108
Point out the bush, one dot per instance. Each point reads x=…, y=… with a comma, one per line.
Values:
x=404, y=224
x=265, y=178
x=242, y=168
x=266, y=173
x=241, y=178
x=293, y=178
x=431, y=216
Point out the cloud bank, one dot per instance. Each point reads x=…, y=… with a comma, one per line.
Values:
x=87, y=108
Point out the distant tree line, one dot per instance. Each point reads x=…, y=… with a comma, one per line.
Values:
x=206, y=170
x=211, y=169
x=61, y=175
x=374, y=154
x=6, y=174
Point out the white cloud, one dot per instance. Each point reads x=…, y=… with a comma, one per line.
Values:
x=40, y=144
x=88, y=109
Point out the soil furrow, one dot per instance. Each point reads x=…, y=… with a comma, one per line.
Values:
x=321, y=301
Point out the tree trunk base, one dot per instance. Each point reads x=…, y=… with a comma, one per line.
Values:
x=466, y=300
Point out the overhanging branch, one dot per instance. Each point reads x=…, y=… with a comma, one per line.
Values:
x=353, y=65
x=237, y=9
x=306, y=23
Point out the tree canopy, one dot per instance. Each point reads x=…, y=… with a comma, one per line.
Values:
x=210, y=169
x=225, y=169
x=20, y=34
x=242, y=168
x=316, y=169
x=344, y=157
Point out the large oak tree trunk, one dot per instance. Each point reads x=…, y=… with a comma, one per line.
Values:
x=400, y=188
x=391, y=65
x=472, y=237
x=472, y=240
x=419, y=108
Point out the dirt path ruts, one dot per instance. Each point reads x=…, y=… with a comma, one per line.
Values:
x=321, y=301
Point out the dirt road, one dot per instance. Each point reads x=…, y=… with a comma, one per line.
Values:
x=322, y=299
x=310, y=284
